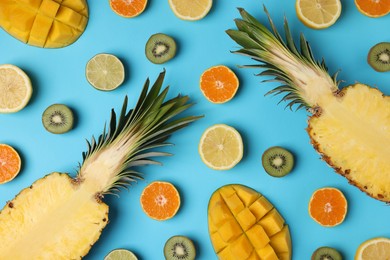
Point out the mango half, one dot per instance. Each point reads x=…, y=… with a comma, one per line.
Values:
x=243, y=224
x=44, y=23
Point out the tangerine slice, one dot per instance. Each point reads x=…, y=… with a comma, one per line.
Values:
x=160, y=200
x=219, y=84
x=328, y=207
x=128, y=8
x=10, y=163
x=373, y=8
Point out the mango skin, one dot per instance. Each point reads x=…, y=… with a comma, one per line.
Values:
x=44, y=23
x=243, y=224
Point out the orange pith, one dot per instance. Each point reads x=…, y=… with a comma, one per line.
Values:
x=219, y=84
x=373, y=8
x=9, y=163
x=328, y=207
x=160, y=200
x=128, y=8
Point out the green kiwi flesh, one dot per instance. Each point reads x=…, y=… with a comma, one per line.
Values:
x=160, y=48
x=379, y=57
x=179, y=248
x=277, y=161
x=58, y=119
x=326, y=253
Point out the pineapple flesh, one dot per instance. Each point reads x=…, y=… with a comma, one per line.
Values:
x=350, y=127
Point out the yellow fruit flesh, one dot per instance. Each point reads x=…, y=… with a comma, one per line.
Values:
x=189, y=9
x=44, y=23
x=243, y=224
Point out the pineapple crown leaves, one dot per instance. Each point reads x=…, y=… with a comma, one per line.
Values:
x=266, y=46
x=142, y=129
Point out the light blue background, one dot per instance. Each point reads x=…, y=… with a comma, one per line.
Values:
x=58, y=77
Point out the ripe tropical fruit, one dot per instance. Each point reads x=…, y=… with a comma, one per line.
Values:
x=44, y=23
x=128, y=8
x=328, y=207
x=374, y=249
x=219, y=84
x=160, y=200
x=221, y=147
x=243, y=224
x=318, y=14
x=74, y=208
x=120, y=254
x=373, y=8
x=15, y=89
x=190, y=10
x=348, y=127
x=10, y=163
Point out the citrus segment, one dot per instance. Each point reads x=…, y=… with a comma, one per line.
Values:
x=328, y=207
x=318, y=14
x=120, y=254
x=189, y=9
x=160, y=200
x=373, y=8
x=219, y=84
x=374, y=249
x=221, y=147
x=128, y=8
x=15, y=89
x=10, y=163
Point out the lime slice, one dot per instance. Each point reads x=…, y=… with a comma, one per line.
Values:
x=105, y=72
x=221, y=147
x=318, y=14
x=120, y=254
x=15, y=89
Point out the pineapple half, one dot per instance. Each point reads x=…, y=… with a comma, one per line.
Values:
x=58, y=217
x=350, y=127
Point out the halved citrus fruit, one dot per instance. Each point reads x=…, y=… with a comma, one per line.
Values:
x=160, y=200
x=373, y=8
x=189, y=9
x=120, y=254
x=318, y=14
x=128, y=8
x=219, y=84
x=15, y=89
x=221, y=147
x=374, y=249
x=10, y=163
x=328, y=207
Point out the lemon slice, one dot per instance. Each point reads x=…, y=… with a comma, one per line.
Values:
x=318, y=14
x=105, y=72
x=15, y=89
x=374, y=249
x=190, y=9
x=221, y=147
x=120, y=254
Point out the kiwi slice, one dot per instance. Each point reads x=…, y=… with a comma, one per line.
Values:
x=326, y=253
x=277, y=161
x=160, y=48
x=379, y=57
x=179, y=248
x=57, y=119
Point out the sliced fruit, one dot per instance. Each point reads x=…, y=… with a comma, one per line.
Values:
x=219, y=84
x=160, y=48
x=277, y=161
x=179, y=248
x=221, y=147
x=373, y=8
x=15, y=89
x=58, y=119
x=327, y=253
x=379, y=57
x=328, y=207
x=10, y=163
x=105, y=72
x=128, y=8
x=189, y=9
x=374, y=249
x=160, y=200
x=318, y=14
x=120, y=254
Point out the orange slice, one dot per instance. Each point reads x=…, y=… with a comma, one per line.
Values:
x=128, y=8
x=373, y=8
x=328, y=207
x=10, y=163
x=160, y=200
x=219, y=84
